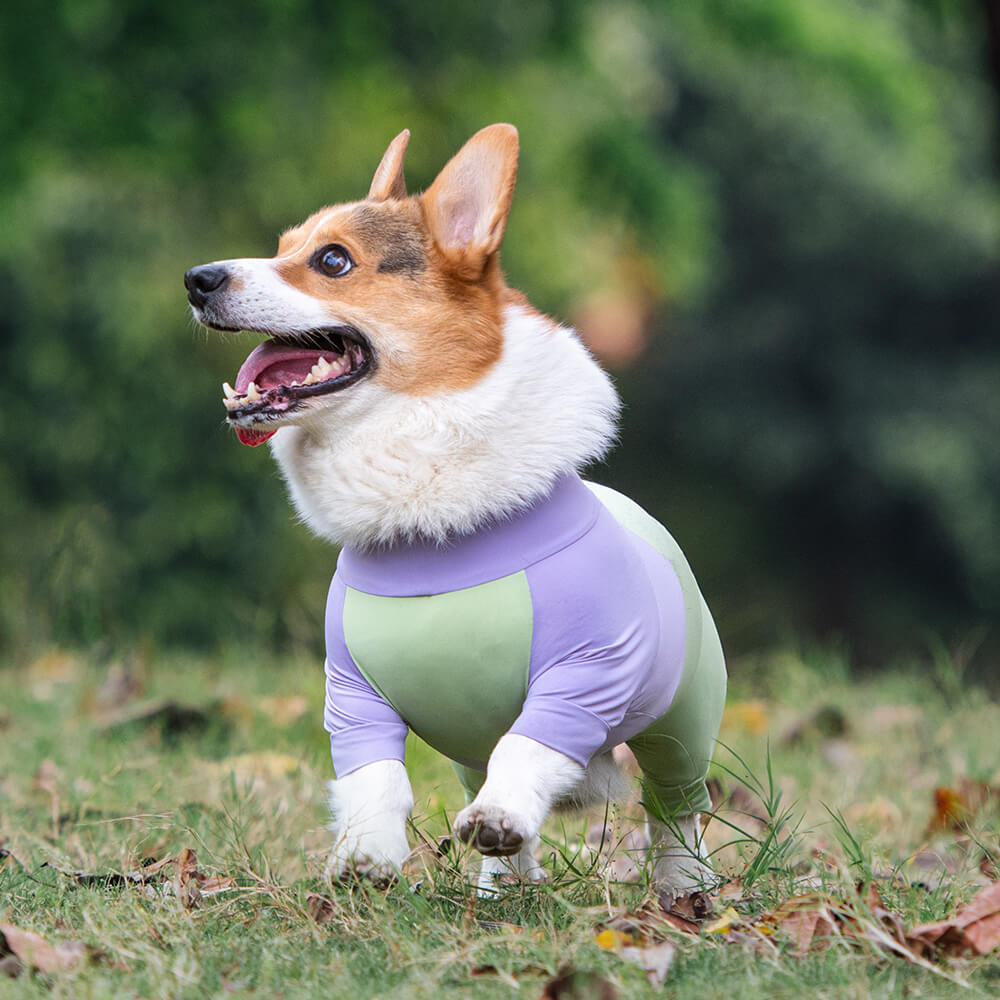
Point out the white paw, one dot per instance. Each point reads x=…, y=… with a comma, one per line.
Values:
x=369, y=809
x=497, y=872
x=492, y=830
x=680, y=876
x=680, y=861
x=378, y=858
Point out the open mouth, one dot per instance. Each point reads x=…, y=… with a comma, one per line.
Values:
x=283, y=372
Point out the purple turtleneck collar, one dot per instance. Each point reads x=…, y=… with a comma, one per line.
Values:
x=499, y=548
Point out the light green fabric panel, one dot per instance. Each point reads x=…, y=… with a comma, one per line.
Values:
x=675, y=751
x=455, y=665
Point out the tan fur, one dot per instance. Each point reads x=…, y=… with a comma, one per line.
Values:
x=446, y=305
x=421, y=319
x=388, y=181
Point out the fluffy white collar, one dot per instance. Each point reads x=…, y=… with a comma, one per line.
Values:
x=384, y=467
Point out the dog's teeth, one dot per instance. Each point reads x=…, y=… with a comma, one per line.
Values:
x=228, y=391
x=232, y=404
x=324, y=366
x=253, y=395
x=294, y=382
x=310, y=379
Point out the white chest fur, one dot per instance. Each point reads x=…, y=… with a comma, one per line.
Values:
x=382, y=466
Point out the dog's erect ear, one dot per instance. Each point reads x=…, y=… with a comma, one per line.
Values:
x=467, y=205
x=388, y=181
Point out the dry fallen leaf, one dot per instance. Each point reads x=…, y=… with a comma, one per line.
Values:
x=974, y=928
x=611, y=940
x=31, y=949
x=805, y=927
x=144, y=875
x=724, y=923
x=694, y=906
x=955, y=807
x=321, y=908
x=654, y=957
x=186, y=880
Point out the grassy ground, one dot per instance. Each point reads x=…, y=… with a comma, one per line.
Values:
x=106, y=765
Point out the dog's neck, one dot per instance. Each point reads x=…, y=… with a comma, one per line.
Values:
x=391, y=468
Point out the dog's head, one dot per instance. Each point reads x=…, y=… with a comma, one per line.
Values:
x=398, y=291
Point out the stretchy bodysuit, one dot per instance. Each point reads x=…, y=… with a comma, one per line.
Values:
x=576, y=622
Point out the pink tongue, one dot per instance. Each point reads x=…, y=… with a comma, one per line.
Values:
x=253, y=438
x=271, y=365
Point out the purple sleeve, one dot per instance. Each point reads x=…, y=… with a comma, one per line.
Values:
x=363, y=727
x=607, y=644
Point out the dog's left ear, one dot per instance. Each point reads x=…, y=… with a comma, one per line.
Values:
x=467, y=205
x=388, y=181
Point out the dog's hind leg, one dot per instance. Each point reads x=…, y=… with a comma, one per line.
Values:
x=678, y=856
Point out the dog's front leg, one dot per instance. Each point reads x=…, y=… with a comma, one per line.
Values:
x=523, y=779
x=369, y=807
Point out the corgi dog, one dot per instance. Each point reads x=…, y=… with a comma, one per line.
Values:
x=522, y=621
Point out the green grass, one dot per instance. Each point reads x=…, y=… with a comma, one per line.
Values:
x=839, y=775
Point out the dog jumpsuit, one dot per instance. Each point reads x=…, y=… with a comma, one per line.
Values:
x=576, y=622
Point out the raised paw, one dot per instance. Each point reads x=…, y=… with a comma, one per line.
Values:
x=490, y=830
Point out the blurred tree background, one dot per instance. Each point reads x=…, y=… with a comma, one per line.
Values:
x=776, y=220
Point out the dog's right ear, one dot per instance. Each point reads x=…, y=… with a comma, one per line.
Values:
x=388, y=181
x=467, y=205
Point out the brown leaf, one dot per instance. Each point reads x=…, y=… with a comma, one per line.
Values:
x=685, y=913
x=681, y=923
x=31, y=949
x=806, y=926
x=956, y=806
x=951, y=810
x=694, y=906
x=140, y=876
x=975, y=927
x=806, y=919
x=321, y=908
x=186, y=880
x=212, y=885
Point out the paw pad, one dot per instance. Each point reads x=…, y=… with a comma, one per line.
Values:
x=490, y=837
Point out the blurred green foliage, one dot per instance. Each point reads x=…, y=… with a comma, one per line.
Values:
x=803, y=190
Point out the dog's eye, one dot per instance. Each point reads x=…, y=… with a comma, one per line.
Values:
x=334, y=261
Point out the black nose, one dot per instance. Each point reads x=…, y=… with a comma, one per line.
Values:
x=201, y=281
